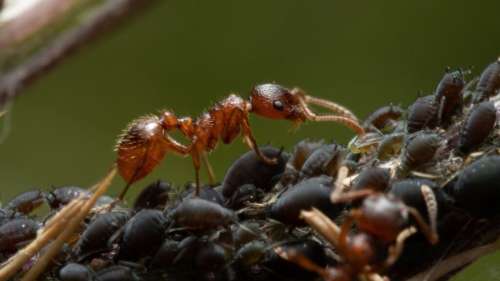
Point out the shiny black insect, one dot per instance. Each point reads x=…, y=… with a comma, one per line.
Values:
x=212, y=194
x=153, y=196
x=489, y=82
x=384, y=117
x=419, y=150
x=323, y=161
x=166, y=254
x=448, y=94
x=373, y=178
x=244, y=194
x=411, y=193
x=199, y=214
x=422, y=114
x=63, y=195
x=210, y=261
x=285, y=270
x=301, y=152
x=75, y=272
x=17, y=232
x=26, y=202
x=250, y=169
x=116, y=273
x=477, y=189
x=143, y=234
x=477, y=126
x=96, y=236
x=313, y=192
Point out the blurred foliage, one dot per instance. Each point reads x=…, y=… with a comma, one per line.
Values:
x=185, y=55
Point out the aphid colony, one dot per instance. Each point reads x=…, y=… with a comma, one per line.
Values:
x=394, y=201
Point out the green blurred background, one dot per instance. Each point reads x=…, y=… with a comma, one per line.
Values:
x=186, y=55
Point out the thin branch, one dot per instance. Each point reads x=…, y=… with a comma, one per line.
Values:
x=106, y=15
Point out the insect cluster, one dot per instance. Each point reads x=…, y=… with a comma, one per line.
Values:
x=406, y=193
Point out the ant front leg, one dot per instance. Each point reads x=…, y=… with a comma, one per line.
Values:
x=396, y=249
x=349, y=122
x=252, y=143
x=429, y=233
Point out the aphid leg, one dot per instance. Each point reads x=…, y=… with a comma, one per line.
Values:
x=431, y=204
x=346, y=121
x=431, y=235
x=210, y=170
x=252, y=143
x=396, y=249
x=335, y=107
x=196, y=163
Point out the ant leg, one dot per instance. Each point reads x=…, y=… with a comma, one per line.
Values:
x=210, y=170
x=396, y=249
x=351, y=195
x=301, y=260
x=343, y=235
x=322, y=224
x=431, y=235
x=252, y=143
x=339, y=182
x=431, y=204
x=196, y=163
x=335, y=107
x=346, y=121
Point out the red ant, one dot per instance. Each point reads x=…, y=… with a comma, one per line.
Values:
x=146, y=140
x=383, y=223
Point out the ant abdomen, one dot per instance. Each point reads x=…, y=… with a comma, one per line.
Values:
x=422, y=114
x=477, y=126
x=140, y=148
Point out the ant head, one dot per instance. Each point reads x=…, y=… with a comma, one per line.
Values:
x=276, y=102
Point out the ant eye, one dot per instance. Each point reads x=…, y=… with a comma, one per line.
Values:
x=278, y=105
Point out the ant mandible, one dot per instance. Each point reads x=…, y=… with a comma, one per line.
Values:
x=146, y=140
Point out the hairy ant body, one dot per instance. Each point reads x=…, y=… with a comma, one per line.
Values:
x=146, y=140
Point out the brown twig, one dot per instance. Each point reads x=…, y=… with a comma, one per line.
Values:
x=109, y=13
x=56, y=246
